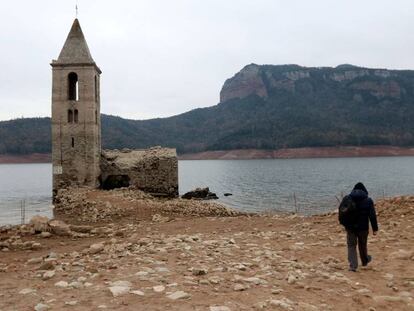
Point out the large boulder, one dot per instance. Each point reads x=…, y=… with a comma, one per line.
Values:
x=59, y=227
x=200, y=194
x=39, y=223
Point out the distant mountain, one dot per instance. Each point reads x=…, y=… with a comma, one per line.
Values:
x=264, y=107
x=25, y=136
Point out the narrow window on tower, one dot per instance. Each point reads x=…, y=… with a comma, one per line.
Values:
x=73, y=86
x=76, y=116
x=96, y=116
x=70, y=116
x=73, y=142
x=96, y=88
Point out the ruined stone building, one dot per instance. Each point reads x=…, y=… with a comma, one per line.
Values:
x=76, y=132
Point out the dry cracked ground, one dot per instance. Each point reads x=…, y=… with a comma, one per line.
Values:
x=167, y=261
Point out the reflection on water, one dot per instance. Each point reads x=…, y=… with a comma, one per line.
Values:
x=308, y=185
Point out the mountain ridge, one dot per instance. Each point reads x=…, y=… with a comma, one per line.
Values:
x=266, y=107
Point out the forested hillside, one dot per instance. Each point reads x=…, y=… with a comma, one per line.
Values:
x=264, y=107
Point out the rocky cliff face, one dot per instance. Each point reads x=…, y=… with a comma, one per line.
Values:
x=263, y=80
x=246, y=82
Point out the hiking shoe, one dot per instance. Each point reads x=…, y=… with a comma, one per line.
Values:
x=352, y=269
x=369, y=257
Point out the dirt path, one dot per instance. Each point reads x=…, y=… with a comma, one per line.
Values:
x=212, y=263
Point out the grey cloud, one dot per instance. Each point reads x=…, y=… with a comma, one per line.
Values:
x=161, y=58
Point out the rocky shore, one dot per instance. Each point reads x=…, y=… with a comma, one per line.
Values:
x=124, y=250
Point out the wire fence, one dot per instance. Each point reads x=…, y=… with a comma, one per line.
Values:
x=298, y=204
x=20, y=211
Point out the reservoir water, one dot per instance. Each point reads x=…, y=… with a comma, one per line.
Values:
x=308, y=186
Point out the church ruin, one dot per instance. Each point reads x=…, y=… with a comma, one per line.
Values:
x=77, y=155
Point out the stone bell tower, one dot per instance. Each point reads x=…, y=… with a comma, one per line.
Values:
x=76, y=122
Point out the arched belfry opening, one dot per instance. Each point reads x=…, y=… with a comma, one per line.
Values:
x=73, y=86
x=70, y=116
x=76, y=116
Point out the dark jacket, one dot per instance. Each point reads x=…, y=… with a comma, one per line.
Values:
x=365, y=212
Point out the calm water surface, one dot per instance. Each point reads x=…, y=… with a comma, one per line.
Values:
x=307, y=185
x=29, y=185
x=314, y=184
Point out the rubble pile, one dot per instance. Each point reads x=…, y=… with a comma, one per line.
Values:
x=90, y=205
x=28, y=236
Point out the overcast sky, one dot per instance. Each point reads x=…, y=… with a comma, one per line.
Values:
x=164, y=57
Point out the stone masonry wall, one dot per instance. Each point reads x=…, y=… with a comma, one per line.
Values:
x=154, y=170
x=76, y=146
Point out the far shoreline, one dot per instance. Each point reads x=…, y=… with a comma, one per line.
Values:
x=302, y=153
x=26, y=158
x=254, y=154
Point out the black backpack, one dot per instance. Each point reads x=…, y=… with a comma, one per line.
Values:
x=347, y=212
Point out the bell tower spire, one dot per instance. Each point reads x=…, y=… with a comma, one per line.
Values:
x=76, y=122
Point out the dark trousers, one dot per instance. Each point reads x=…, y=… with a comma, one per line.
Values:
x=353, y=239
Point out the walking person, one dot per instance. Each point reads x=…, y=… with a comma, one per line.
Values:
x=356, y=211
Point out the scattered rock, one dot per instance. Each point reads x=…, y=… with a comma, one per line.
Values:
x=96, y=248
x=47, y=266
x=240, y=287
x=255, y=280
x=142, y=273
x=119, y=288
x=384, y=299
x=401, y=254
x=158, y=288
x=159, y=218
x=277, y=291
x=199, y=271
x=62, y=284
x=34, y=260
x=48, y=275
x=45, y=234
x=283, y=303
x=39, y=223
x=71, y=303
x=76, y=285
x=59, y=227
x=303, y=306
x=26, y=291
x=219, y=308
x=81, y=229
x=179, y=295
x=41, y=307
x=35, y=246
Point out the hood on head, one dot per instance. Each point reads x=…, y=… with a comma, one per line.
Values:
x=360, y=186
x=358, y=195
